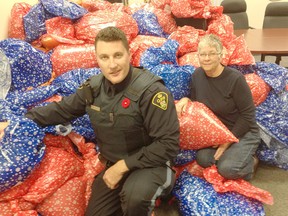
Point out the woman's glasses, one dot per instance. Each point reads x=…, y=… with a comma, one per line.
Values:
x=210, y=55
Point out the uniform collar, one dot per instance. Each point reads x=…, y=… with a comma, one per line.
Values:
x=112, y=89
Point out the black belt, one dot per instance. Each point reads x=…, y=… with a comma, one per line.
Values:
x=103, y=160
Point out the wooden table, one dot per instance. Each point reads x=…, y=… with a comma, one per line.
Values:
x=264, y=41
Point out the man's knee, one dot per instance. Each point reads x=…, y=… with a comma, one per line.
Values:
x=134, y=203
x=203, y=159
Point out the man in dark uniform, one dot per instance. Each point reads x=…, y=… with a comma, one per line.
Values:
x=136, y=125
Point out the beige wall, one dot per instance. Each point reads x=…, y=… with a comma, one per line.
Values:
x=255, y=10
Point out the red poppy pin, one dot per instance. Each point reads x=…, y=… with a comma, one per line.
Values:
x=125, y=103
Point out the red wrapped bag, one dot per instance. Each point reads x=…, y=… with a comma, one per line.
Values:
x=60, y=26
x=193, y=168
x=94, y=5
x=188, y=38
x=19, y=190
x=190, y=8
x=161, y=4
x=22, y=208
x=222, y=26
x=200, y=128
x=92, y=164
x=69, y=199
x=69, y=57
x=90, y=24
x=166, y=21
x=259, y=88
x=57, y=167
x=16, y=25
x=140, y=44
x=5, y=209
x=239, y=52
x=189, y=59
x=222, y=185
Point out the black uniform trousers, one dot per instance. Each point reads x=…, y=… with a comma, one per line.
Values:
x=136, y=194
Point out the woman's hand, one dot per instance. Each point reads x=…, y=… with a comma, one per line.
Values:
x=3, y=125
x=220, y=150
x=181, y=105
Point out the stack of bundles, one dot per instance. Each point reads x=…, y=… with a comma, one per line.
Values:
x=50, y=52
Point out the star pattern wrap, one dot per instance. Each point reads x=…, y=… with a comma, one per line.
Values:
x=276, y=76
x=188, y=38
x=259, y=88
x=200, y=128
x=69, y=57
x=34, y=20
x=141, y=43
x=148, y=24
x=272, y=115
x=71, y=80
x=64, y=8
x=197, y=197
x=176, y=78
x=21, y=149
x=45, y=16
x=88, y=26
x=29, y=66
x=273, y=153
x=185, y=156
x=222, y=185
x=32, y=97
x=16, y=25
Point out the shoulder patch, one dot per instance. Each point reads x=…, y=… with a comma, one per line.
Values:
x=160, y=100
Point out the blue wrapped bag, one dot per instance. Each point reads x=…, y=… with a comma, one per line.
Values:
x=162, y=61
x=272, y=115
x=34, y=20
x=185, y=156
x=68, y=82
x=197, y=197
x=21, y=149
x=275, y=75
x=32, y=97
x=64, y=8
x=29, y=66
x=148, y=24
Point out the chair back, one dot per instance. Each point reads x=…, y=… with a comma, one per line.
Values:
x=276, y=15
x=236, y=10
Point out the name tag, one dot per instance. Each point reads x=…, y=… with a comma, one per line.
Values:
x=96, y=108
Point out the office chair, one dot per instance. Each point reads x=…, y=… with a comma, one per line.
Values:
x=276, y=16
x=236, y=10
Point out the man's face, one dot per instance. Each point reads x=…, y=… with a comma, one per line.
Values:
x=113, y=60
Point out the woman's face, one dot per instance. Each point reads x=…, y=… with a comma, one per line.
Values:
x=209, y=59
x=3, y=125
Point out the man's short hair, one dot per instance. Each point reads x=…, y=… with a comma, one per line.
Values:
x=110, y=34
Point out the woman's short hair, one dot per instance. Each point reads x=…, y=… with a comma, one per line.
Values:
x=212, y=41
x=110, y=34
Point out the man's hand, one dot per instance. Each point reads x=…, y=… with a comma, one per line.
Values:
x=220, y=150
x=114, y=174
x=181, y=105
